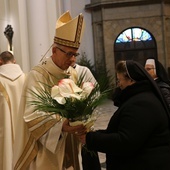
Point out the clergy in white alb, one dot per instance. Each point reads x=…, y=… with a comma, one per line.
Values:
x=11, y=83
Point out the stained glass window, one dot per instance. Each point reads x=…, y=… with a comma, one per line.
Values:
x=135, y=44
x=133, y=34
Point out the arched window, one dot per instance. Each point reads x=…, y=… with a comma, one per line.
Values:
x=135, y=44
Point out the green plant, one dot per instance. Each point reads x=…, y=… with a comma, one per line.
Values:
x=83, y=61
x=101, y=75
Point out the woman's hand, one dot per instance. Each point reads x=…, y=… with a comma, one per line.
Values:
x=82, y=139
x=77, y=130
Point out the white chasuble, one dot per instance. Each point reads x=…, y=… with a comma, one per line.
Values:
x=40, y=142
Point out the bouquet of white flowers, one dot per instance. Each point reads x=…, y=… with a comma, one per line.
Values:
x=75, y=102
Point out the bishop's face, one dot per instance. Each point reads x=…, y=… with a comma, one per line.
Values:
x=64, y=56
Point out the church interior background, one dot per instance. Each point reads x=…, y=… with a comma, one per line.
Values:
x=115, y=29
x=129, y=29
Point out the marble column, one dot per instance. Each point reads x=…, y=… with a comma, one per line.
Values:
x=38, y=29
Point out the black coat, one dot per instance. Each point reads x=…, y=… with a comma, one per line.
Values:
x=165, y=90
x=137, y=136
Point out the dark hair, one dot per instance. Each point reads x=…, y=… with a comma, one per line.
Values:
x=6, y=56
x=121, y=68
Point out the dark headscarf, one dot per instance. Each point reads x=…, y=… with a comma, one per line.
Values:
x=138, y=73
x=161, y=72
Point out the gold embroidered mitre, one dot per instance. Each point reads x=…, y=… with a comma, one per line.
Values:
x=69, y=31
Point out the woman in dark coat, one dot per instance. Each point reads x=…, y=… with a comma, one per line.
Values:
x=138, y=134
x=159, y=74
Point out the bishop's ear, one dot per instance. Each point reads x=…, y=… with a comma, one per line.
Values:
x=1, y=62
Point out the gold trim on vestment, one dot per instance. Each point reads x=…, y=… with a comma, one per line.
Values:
x=43, y=71
x=31, y=147
x=41, y=130
x=76, y=42
x=23, y=164
x=32, y=142
x=5, y=94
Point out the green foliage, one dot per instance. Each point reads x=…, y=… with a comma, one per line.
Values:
x=73, y=108
x=101, y=75
x=83, y=61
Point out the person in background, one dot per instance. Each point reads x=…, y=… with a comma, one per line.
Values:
x=11, y=83
x=138, y=134
x=84, y=72
x=41, y=137
x=159, y=74
x=7, y=57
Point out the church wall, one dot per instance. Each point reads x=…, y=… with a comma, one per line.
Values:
x=33, y=23
x=154, y=18
x=4, y=21
x=33, y=26
x=107, y=22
